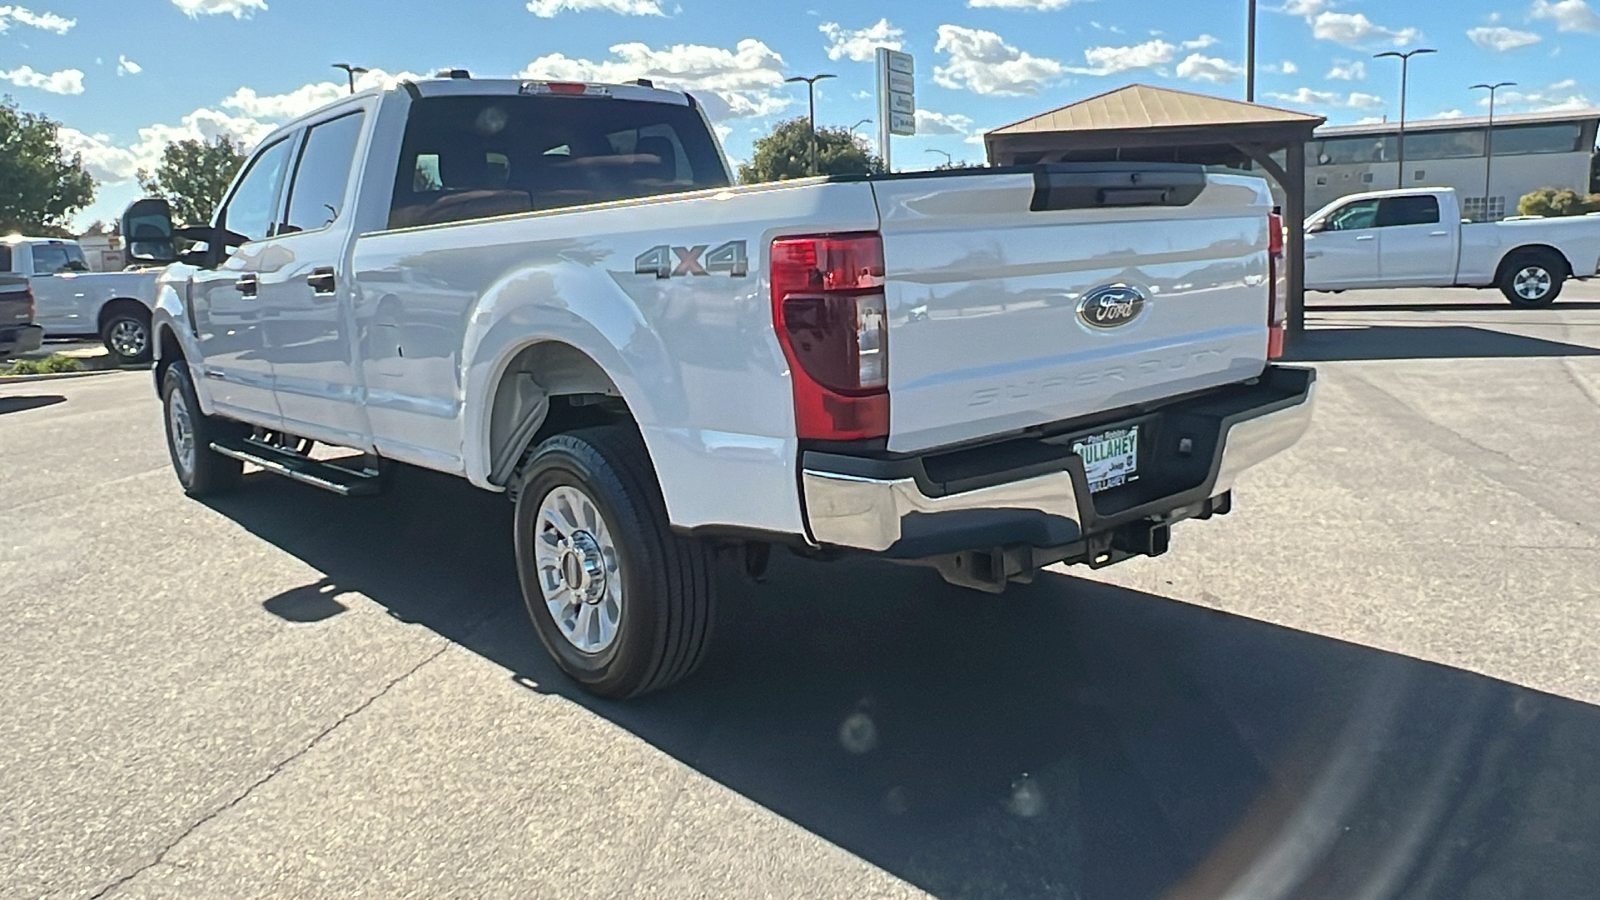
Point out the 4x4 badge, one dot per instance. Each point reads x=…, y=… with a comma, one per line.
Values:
x=666, y=261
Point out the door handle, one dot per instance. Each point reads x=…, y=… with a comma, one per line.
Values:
x=324, y=282
x=249, y=285
x=1438, y=234
x=1365, y=237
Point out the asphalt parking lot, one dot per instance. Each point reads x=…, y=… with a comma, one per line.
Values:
x=1376, y=678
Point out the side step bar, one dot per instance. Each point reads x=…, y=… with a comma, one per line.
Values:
x=342, y=480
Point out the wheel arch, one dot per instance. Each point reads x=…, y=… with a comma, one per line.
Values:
x=1525, y=250
x=117, y=304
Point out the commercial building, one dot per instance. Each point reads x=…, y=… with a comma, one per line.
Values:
x=1531, y=151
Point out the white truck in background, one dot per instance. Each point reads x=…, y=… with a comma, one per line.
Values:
x=1416, y=238
x=71, y=301
x=554, y=290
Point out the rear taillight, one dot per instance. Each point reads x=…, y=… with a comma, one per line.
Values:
x=828, y=308
x=1278, y=289
x=27, y=294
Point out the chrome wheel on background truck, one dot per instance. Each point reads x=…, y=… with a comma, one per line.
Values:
x=1533, y=278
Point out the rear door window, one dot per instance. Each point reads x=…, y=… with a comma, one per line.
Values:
x=469, y=158
x=1394, y=211
x=5, y=258
x=317, y=195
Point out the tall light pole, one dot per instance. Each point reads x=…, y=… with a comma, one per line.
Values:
x=1250, y=59
x=948, y=160
x=858, y=124
x=352, y=71
x=1405, y=64
x=811, y=97
x=1488, y=141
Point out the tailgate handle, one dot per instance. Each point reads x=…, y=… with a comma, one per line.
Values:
x=1059, y=186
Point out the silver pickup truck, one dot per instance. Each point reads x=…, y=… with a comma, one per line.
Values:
x=554, y=290
x=18, y=333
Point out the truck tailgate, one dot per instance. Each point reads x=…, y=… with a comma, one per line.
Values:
x=1002, y=317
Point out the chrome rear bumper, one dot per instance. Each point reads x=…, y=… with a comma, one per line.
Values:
x=886, y=513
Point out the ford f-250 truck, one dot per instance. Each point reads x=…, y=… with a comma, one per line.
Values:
x=1416, y=238
x=18, y=334
x=553, y=290
x=74, y=302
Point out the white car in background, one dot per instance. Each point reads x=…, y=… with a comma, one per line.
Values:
x=71, y=301
x=1416, y=238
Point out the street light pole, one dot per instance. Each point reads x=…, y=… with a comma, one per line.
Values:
x=1250, y=59
x=352, y=71
x=858, y=124
x=948, y=160
x=1405, y=63
x=1488, y=142
x=811, y=97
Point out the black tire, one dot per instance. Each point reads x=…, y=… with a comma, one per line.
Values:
x=1533, y=278
x=208, y=472
x=668, y=593
x=128, y=336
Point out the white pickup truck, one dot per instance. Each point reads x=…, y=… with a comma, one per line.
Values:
x=71, y=301
x=1416, y=238
x=554, y=291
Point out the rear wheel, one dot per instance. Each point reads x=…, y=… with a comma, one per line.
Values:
x=1533, y=278
x=622, y=604
x=127, y=335
x=201, y=470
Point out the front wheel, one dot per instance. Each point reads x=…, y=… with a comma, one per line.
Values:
x=201, y=470
x=622, y=604
x=1533, y=279
x=127, y=335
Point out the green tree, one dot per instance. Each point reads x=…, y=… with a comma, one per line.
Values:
x=785, y=153
x=41, y=186
x=193, y=176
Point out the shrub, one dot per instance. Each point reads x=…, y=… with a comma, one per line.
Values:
x=1557, y=202
x=53, y=364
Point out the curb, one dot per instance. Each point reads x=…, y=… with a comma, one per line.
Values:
x=54, y=376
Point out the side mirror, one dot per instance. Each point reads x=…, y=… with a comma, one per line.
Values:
x=147, y=228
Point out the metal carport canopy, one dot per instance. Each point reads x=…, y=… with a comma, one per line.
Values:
x=1146, y=123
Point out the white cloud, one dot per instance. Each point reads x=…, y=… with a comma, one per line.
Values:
x=1562, y=95
x=1351, y=29
x=1041, y=5
x=1569, y=15
x=1348, y=71
x=110, y=162
x=1450, y=114
x=1198, y=67
x=1200, y=43
x=307, y=97
x=1308, y=97
x=1499, y=37
x=126, y=66
x=545, y=9
x=67, y=81
x=979, y=61
x=861, y=44
x=744, y=81
x=24, y=16
x=1111, y=60
x=236, y=8
x=1288, y=67
x=932, y=123
x=1307, y=8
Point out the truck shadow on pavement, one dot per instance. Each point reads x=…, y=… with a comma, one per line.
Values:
x=1379, y=342
x=1069, y=739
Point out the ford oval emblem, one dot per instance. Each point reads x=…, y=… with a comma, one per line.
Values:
x=1111, y=306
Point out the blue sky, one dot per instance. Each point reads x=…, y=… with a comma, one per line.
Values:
x=127, y=76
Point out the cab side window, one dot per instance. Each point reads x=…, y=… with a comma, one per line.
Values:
x=251, y=209
x=49, y=259
x=1361, y=214
x=5, y=258
x=322, y=175
x=1408, y=211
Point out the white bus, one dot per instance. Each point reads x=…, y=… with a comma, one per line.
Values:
x=1531, y=151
